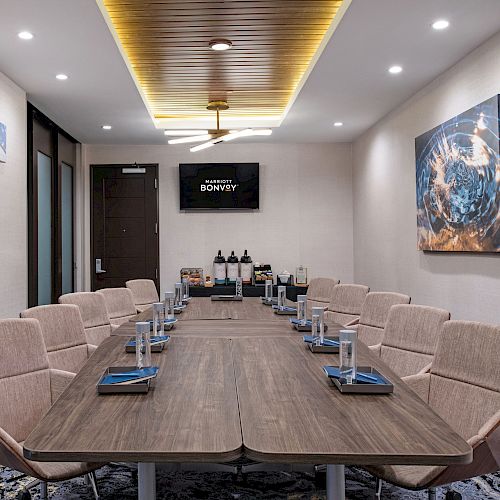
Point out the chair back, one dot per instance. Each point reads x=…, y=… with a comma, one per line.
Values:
x=63, y=334
x=465, y=375
x=374, y=312
x=319, y=292
x=144, y=292
x=410, y=337
x=24, y=377
x=345, y=303
x=94, y=314
x=119, y=304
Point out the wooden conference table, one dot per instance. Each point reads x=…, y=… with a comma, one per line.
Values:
x=241, y=387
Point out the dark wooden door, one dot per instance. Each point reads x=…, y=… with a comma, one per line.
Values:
x=124, y=218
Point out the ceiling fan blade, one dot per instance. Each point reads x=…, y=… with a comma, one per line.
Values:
x=177, y=133
x=193, y=138
x=205, y=145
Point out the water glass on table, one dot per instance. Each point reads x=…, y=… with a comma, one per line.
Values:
x=142, y=342
x=318, y=325
x=348, y=352
x=169, y=305
x=158, y=319
x=302, y=309
x=281, y=297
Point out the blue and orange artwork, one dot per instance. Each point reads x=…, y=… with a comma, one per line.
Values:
x=458, y=182
x=3, y=143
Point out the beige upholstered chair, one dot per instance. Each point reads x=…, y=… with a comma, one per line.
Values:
x=345, y=304
x=28, y=387
x=410, y=338
x=144, y=292
x=463, y=388
x=374, y=312
x=319, y=292
x=94, y=314
x=63, y=334
x=119, y=303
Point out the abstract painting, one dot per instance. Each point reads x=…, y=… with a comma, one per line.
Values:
x=458, y=182
x=3, y=143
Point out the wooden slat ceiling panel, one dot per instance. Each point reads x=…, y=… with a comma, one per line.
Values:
x=167, y=44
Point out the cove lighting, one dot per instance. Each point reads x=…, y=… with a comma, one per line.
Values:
x=62, y=76
x=174, y=133
x=25, y=35
x=440, y=24
x=338, y=124
x=395, y=70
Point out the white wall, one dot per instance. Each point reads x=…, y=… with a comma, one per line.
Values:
x=13, y=202
x=385, y=250
x=305, y=214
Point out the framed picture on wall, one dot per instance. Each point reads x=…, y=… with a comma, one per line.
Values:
x=3, y=143
x=458, y=182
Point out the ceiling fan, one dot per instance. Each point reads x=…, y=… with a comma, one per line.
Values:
x=215, y=136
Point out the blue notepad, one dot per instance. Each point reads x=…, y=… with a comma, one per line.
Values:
x=157, y=339
x=130, y=377
x=286, y=308
x=361, y=377
x=328, y=342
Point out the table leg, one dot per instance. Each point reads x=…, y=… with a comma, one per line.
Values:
x=147, y=481
x=335, y=482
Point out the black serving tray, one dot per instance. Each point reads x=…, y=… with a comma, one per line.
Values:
x=324, y=349
x=225, y=298
x=137, y=388
x=364, y=388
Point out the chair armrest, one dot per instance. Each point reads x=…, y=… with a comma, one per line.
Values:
x=91, y=349
x=419, y=383
x=353, y=322
x=375, y=349
x=425, y=369
x=59, y=380
x=489, y=432
x=114, y=327
x=11, y=454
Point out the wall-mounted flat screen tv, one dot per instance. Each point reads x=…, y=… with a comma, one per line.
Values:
x=219, y=186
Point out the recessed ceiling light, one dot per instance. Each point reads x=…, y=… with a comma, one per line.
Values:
x=221, y=44
x=25, y=35
x=338, y=124
x=395, y=70
x=62, y=76
x=107, y=127
x=440, y=24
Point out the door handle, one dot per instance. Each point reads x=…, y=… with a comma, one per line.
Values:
x=98, y=268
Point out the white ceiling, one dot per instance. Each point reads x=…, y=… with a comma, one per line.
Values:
x=349, y=83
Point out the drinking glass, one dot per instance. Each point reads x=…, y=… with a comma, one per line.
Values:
x=142, y=343
x=185, y=288
x=318, y=325
x=348, y=341
x=158, y=319
x=269, y=289
x=301, y=309
x=169, y=305
x=281, y=297
x=178, y=294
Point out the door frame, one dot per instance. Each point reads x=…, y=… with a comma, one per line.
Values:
x=91, y=182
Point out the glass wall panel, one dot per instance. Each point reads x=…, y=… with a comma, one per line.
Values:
x=67, y=227
x=44, y=191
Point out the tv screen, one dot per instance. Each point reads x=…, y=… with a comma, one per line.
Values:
x=219, y=185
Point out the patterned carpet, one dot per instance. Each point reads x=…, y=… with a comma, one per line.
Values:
x=119, y=483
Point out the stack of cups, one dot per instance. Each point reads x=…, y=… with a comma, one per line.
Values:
x=169, y=305
x=301, y=309
x=318, y=325
x=158, y=319
x=348, y=340
x=142, y=345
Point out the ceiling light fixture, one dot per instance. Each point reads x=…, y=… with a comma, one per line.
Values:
x=107, y=127
x=205, y=145
x=175, y=133
x=194, y=138
x=338, y=124
x=25, y=35
x=62, y=76
x=395, y=70
x=219, y=45
x=440, y=24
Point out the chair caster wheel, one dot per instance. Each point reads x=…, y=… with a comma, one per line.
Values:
x=453, y=495
x=23, y=495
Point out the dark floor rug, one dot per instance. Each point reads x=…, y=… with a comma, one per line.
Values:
x=119, y=483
